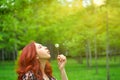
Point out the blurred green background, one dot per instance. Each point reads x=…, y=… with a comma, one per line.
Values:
x=87, y=32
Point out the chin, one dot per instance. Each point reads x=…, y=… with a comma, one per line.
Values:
x=49, y=57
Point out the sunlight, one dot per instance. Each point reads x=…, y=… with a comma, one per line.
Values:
x=99, y=2
x=86, y=3
x=69, y=0
x=70, y=5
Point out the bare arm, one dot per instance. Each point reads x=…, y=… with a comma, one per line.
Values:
x=64, y=75
x=61, y=63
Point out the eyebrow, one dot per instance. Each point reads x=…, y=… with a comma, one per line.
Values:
x=40, y=44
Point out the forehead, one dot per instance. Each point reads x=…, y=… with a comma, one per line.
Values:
x=37, y=44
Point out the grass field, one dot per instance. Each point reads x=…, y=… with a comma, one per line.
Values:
x=75, y=71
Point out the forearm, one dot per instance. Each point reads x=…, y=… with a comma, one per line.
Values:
x=63, y=74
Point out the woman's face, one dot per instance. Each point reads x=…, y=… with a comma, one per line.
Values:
x=42, y=51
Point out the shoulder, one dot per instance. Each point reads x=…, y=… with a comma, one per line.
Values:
x=29, y=76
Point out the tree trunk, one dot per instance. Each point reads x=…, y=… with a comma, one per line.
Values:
x=90, y=55
x=3, y=58
x=87, y=56
x=95, y=46
x=114, y=52
x=95, y=42
x=107, y=48
x=14, y=55
x=80, y=60
x=15, y=51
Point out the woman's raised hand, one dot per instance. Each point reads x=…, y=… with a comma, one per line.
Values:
x=61, y=61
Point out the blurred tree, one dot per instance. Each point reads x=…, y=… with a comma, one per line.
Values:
x=53, y=21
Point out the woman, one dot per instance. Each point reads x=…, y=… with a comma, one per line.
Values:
x=33, y=63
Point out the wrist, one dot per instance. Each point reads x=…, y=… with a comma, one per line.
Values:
x=62, y=69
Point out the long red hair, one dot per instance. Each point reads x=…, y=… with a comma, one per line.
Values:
x=28, y=62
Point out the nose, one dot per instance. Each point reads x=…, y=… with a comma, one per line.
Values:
x=45, y=47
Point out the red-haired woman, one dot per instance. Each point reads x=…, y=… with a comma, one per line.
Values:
x=33, y=63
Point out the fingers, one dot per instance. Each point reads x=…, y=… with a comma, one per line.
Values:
x=61, y=61
x=61, y=58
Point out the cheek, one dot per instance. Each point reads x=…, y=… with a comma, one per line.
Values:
x=40, y=52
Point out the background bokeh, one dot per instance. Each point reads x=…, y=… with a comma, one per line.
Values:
x=87, y=32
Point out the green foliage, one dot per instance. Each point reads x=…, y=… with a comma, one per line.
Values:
x=49, y=22
x=16, y=62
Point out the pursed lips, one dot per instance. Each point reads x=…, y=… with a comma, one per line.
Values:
x=48, y=51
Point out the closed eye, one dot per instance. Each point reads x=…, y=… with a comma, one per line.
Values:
x=40, y=46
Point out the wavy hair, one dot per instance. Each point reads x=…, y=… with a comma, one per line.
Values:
x=28, y=62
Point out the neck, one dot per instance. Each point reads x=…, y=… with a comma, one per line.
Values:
x=42, y=66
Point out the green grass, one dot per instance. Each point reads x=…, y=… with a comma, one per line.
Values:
x=78, y=71
x=75, y=71
x=7, y=71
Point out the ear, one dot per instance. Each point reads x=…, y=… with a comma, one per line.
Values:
x=37, y=57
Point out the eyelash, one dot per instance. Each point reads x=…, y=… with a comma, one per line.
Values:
x=40, y=47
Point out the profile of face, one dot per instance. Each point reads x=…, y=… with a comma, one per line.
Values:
x=42, y=51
